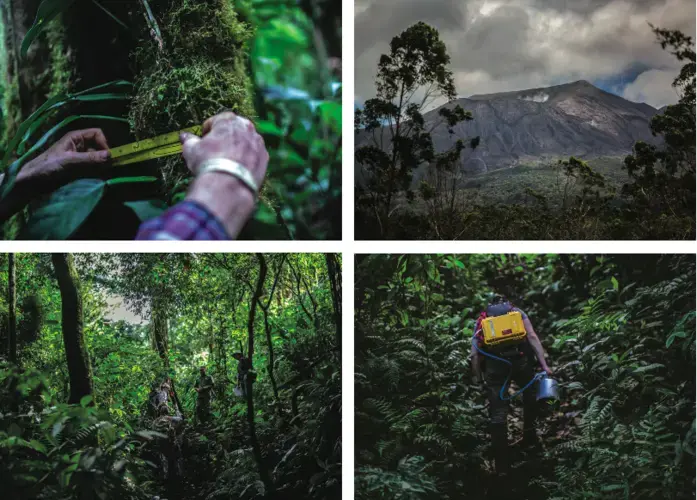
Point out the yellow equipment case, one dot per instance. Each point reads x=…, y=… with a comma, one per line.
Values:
x=505, y=329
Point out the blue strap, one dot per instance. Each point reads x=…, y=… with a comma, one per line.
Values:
x=504, y=387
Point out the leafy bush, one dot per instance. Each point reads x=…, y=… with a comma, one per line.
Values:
x=63, y=451
x=620, y=334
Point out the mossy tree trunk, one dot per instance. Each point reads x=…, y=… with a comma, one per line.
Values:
x=160, y=340
x=334, y=270
x=263, y=471
x=11, y=306
x=79, y=368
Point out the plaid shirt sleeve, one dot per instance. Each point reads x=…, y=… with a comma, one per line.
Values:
x=187, y=220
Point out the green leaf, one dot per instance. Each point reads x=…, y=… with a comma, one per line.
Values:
x=265, y=127
x=85, y=400
x=615, y=283
x=110, y=14
x=110, y=96
x=147, y=209
x=48, y=10
x=330, y=112
x=65, y=210
x=265, y=214
x=127, y=180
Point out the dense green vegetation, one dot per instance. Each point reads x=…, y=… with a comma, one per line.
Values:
x=652, y=198
x=142, y=68
x=87, y=338
x=619, y=331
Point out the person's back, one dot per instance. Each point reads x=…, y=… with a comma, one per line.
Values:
x=204, y=388
x=516, y=361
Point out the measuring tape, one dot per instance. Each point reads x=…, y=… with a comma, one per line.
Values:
x=148, y=149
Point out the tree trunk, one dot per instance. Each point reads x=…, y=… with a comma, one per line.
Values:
x=159, y=332
x=11, y=305
x=298, y=280
x=267, y=330
x=160, y=338
x=334, y=271
x=79, y=368
x=263, y=472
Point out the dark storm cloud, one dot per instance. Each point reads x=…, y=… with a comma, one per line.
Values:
x=497, y=44
x=384, y=19
x=500, y=45
x=587, y=6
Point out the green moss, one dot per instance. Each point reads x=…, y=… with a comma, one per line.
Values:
x=198, y=72
x=60, y=67
x=10, y=110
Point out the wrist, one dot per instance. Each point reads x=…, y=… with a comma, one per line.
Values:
x=226, y=197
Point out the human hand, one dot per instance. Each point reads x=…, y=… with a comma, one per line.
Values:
x=548, y=370
x=73, y=156
x=228, y=136
x=231, y=137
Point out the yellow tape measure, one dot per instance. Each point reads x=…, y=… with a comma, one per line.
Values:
x=148, y=149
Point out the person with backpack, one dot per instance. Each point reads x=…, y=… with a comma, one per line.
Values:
x=244, y=366
x=517, y=346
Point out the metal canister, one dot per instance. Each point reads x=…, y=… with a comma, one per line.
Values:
x=547, y=388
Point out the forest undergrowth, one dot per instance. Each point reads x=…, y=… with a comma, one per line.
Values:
x=619, y=332
x=84, y=425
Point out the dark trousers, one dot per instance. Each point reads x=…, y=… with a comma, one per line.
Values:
x=495, y=373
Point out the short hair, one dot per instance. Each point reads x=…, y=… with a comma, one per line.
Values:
x=235, y=354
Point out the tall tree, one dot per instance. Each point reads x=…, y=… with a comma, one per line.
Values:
x=300, y=280
x=258, y=292
x=160, y=339
x=267, y=329
x=334, y=271
x=79, y=368
x=11, y=306
x=662, y=177
x=410, y=78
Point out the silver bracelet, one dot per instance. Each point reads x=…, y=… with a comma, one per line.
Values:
x=232, y=168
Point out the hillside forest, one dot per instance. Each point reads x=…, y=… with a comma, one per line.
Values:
x=170, y=376
x=619, y=336
x=410, y=162
x=139, y=69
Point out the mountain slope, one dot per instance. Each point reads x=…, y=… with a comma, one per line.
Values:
x=538, y=125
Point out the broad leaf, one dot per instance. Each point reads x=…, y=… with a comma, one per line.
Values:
x=147, y=209
x=65, y=210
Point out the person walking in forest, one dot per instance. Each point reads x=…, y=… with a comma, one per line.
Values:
x=160, y=398
x=243, y=367
x=169, y=447
x=217, y=205
x=520, y=351
x=204, y=388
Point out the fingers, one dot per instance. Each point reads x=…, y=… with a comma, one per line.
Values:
x=216, y=119
x=189, y=145
x=93, y=135
x=229, y=119
x=91, y=157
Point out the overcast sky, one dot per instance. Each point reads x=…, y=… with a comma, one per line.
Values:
x=504, y=45
x=118, y=311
